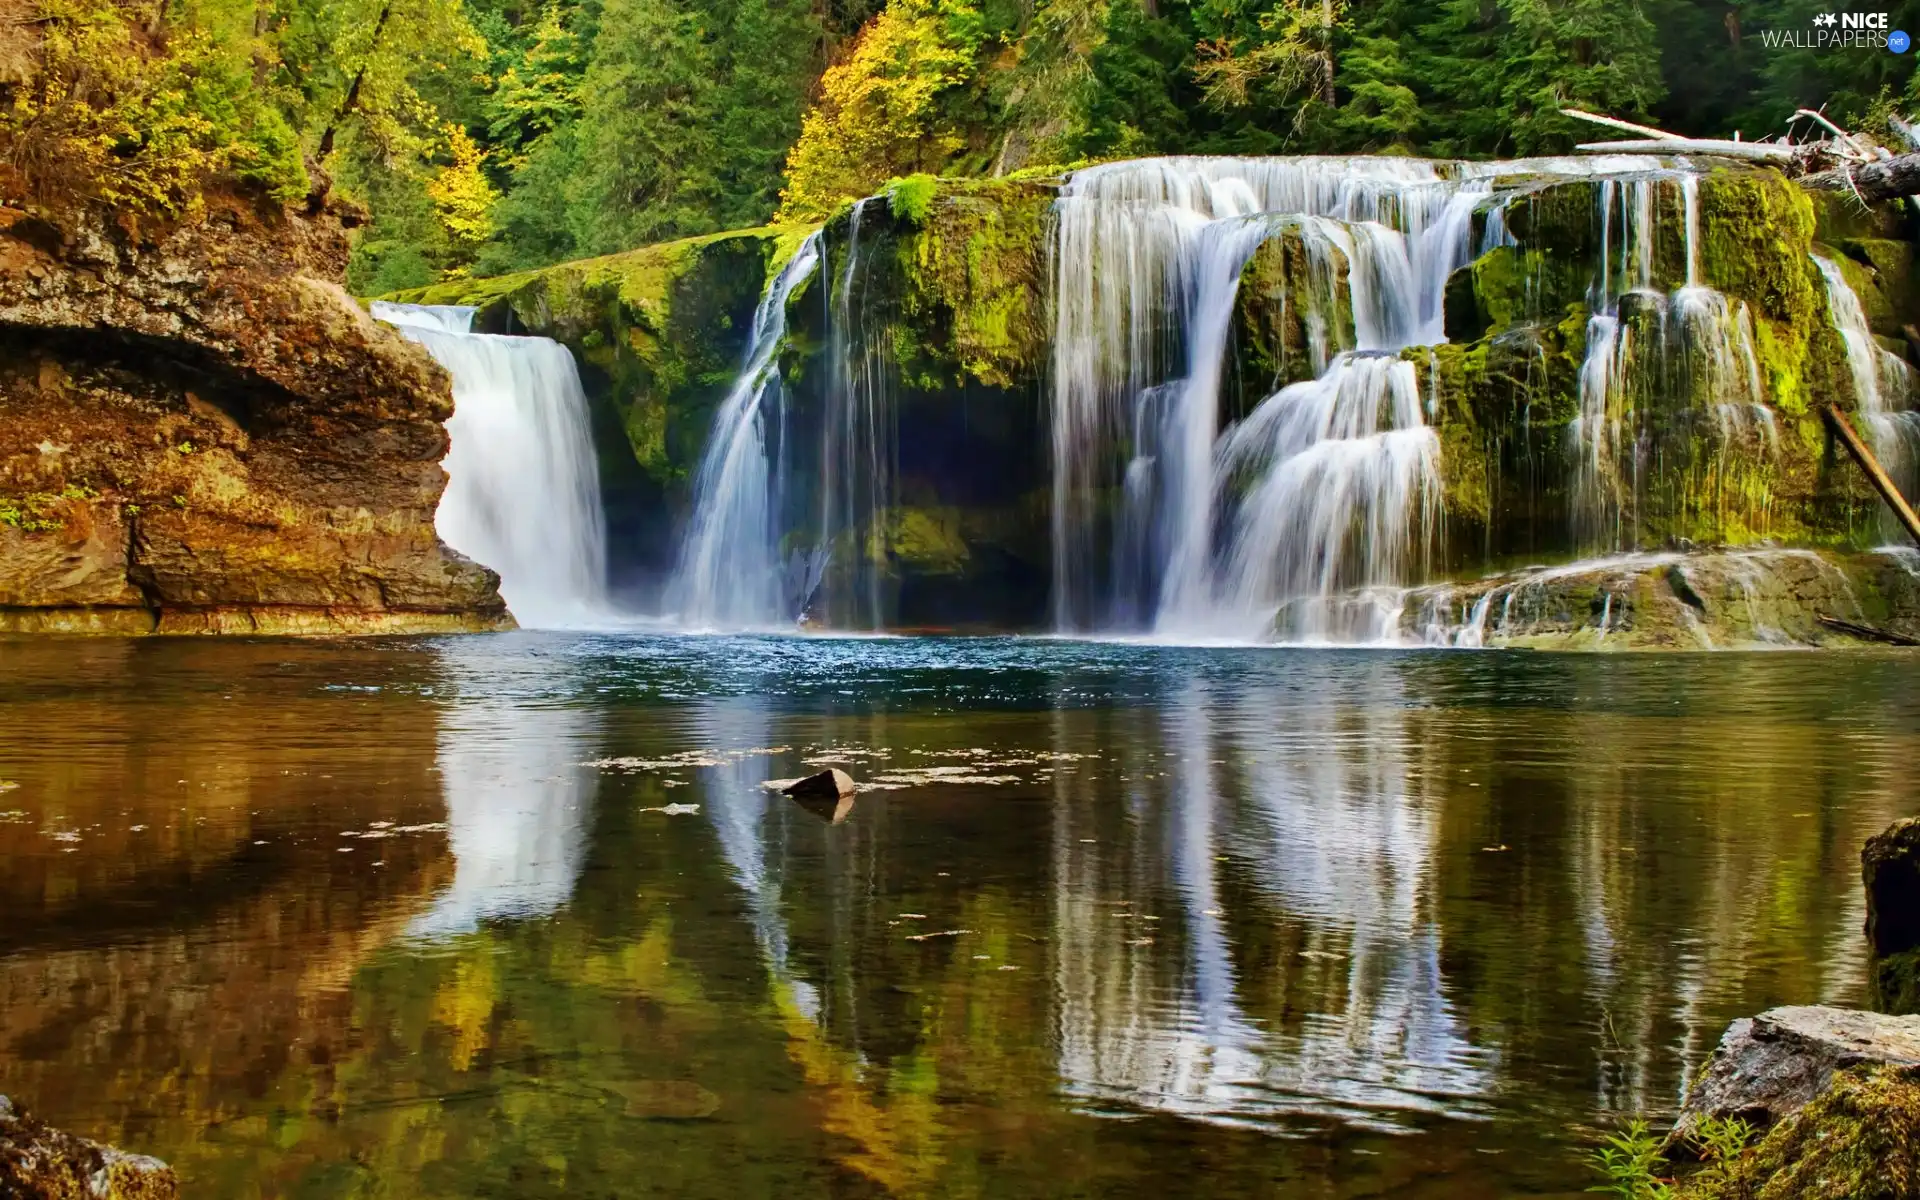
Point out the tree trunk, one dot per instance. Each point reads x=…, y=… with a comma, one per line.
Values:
x=1874, y=182
x=352, y=100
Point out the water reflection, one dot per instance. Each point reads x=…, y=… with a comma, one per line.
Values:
x=1322, y=822
x=519, y=798
x=1474, y=900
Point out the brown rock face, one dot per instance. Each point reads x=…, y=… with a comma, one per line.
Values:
x=199, y=432
x=38, y=1163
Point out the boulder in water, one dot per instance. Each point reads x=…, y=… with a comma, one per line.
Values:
x=830, y=784
x=1769, y=1067
x=38, y=1163
x=1890, y=868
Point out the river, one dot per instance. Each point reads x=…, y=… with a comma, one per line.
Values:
x=517, y=915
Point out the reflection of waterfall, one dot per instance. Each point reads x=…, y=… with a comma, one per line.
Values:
x=518, y=804
x=523, y=486
x=1333, y=828
x=730, y=573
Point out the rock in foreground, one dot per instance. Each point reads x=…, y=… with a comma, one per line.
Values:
x=1769, y=1067
x=38, y=1163
x=201, y=432
x=1890, y=867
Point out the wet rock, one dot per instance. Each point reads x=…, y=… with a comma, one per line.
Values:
x=830, y=784
x=38, y=1163
x=1890, y=868
x=1769, y=1067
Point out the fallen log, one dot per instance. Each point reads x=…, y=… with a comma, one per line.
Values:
x=1865, y=633
x=1876, y=474
x=1772, y=152
x=1875, y=182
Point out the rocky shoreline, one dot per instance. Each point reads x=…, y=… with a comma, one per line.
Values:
x=201, y=432
x=40, y=1163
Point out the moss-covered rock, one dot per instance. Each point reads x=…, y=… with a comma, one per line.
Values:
x=974, y=267
x=1858, y=1140
x=1295, y=311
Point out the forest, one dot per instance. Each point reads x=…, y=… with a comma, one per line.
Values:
x=483, y=136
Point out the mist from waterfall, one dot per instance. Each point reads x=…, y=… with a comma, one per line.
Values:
x=731, y=574
x=523, y=484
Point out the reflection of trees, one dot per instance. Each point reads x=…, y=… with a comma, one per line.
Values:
x=1383, y=890
x=156, y=981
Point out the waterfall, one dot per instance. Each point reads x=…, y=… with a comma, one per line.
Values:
x=858, y=444
x=523, y=485
x=1883, y=383
x=1214, y=535
x=730, y=574
x=1658, y=365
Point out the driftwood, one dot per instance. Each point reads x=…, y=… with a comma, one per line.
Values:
x=1842, y=162
x=1774, y=152
x=1865, y=633
x=1874, y=182
x=1876, y=474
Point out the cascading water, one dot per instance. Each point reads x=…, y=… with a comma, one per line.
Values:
x=523, y=486
x=730, y=573
x=858, y=445
x=1882, y=381
x=1222, y=537
x=1657, y=364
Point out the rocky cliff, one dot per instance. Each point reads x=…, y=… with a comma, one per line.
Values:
x=201, y=432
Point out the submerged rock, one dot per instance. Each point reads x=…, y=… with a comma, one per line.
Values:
x=827, y=785
x=1890, y=867
x=200, y=432
x=1769, y=1067
x=38, y=1163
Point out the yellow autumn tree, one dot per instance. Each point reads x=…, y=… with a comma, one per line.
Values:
x=462, y=196
x=881, y=112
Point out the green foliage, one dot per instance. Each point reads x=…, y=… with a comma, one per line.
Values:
x=911, y=199
x=1628, y=1162
x=101, y=102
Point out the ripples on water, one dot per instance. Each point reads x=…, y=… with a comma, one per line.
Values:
x=434, y=918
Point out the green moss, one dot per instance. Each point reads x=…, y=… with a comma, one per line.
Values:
x=911, y=199
x=925, y=540
x=1894, y=981
x=1290, y=298
x=1858, y=1140
x=974, y=272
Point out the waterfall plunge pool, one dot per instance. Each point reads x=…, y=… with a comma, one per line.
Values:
x=515, y=915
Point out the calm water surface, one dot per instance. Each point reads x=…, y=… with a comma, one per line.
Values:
x=517, y=916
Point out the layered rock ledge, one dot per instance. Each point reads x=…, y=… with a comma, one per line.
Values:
x=200, y=432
